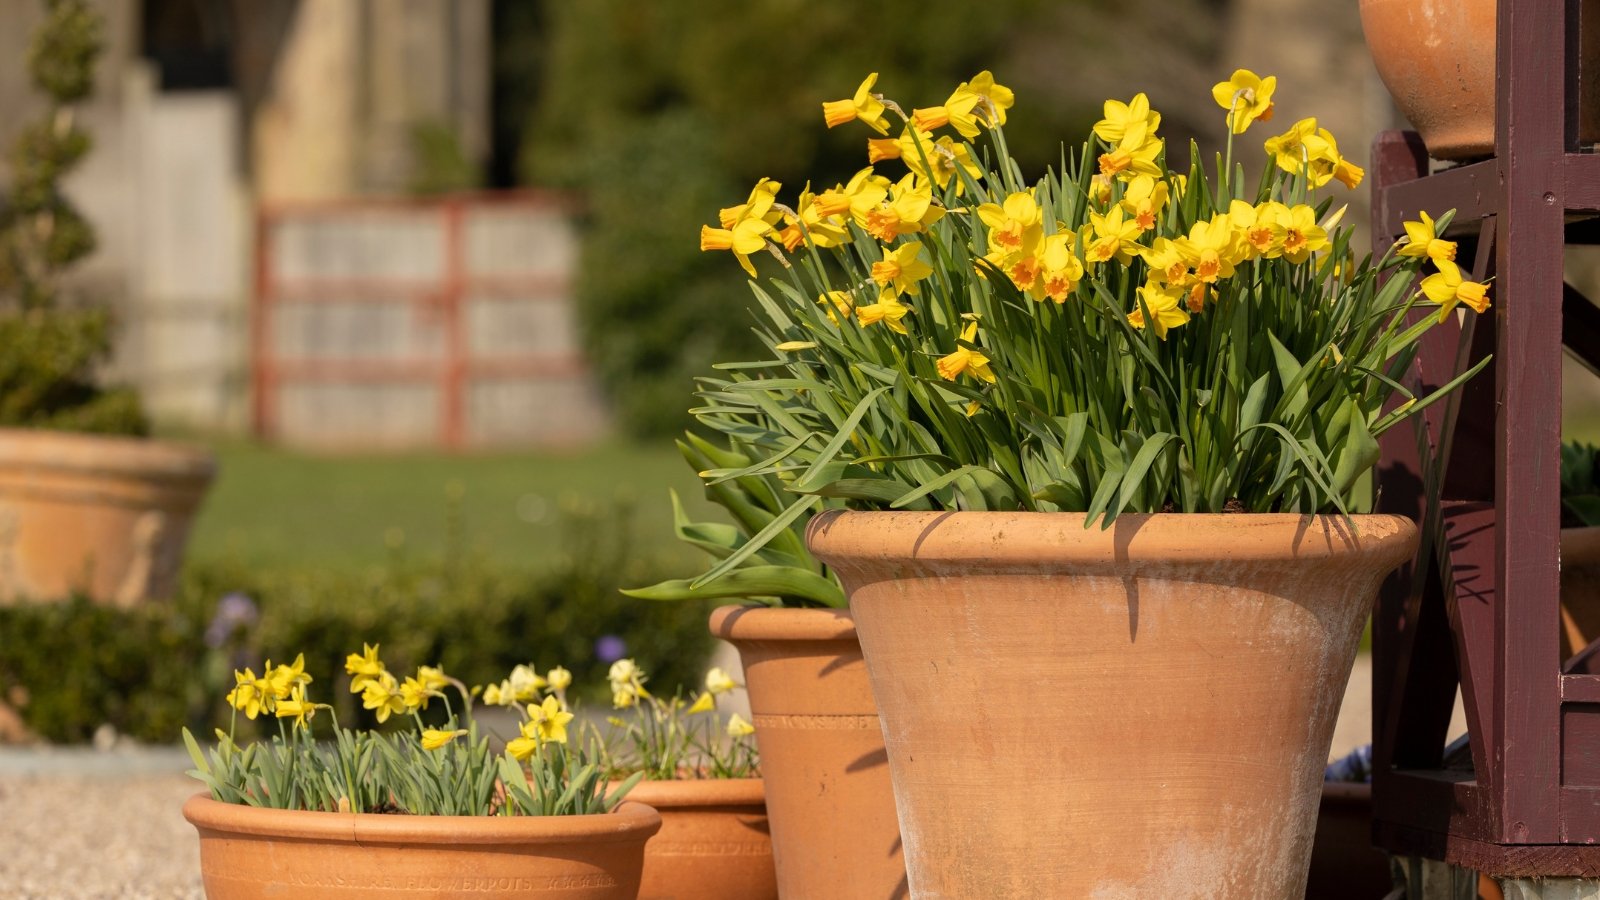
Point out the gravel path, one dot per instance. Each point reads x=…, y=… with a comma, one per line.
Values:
x=78, y=823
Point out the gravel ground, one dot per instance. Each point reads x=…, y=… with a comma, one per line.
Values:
x=75, y=822
x=97, y=836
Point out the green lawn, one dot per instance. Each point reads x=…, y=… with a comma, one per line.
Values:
x=273, y=507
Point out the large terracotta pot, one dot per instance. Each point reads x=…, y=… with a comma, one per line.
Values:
x=1580, y=589
x=248, y=853
x=1143, y=711
x=102, y=516
x=713, y=843
x=1437, y=59
x=829, y=800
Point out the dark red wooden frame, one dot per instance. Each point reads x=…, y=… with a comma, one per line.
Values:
x=454, y=370
x=1487, y=611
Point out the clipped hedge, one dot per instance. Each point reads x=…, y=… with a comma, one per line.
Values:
x=71, y=667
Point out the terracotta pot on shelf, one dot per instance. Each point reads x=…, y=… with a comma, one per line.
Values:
x=829, y=801
x=1182, y=674
x=1437, y=58
x=1580, y=589
x=106, y=517
x=713, y=843
x=248, y=853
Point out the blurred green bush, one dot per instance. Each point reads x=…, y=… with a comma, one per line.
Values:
x=149, y=671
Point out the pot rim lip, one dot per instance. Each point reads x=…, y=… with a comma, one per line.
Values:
x=978, y=538
x=754, y=622
x=632, y=821
x=74, y=451
x=700, y=792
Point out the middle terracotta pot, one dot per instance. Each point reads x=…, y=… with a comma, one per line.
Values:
x=713, y=843
x=1137, y=712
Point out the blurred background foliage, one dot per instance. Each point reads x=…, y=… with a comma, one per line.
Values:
x=660, y=114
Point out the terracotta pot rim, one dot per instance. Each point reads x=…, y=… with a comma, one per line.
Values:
x=630, y=822
x=73, y=451
x=769, y=623
x=700, y=792
x=976, y=540
x=1581, y=542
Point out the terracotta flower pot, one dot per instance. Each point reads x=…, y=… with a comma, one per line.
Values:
x=1437, y=59
x=103, y=516
x=1344, y=863
x=248, y=853
x=1143, y=711
x=829, y=800
x=713, y=843
x=1580, y=589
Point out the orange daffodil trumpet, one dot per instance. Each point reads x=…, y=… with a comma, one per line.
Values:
x=865, y=105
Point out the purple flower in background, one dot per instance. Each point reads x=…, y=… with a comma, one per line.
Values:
x=610, y=648
x=234, y=611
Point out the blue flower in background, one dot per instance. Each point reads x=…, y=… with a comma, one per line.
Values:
x=610, y=648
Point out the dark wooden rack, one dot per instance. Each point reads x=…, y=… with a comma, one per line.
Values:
x=1487, y=614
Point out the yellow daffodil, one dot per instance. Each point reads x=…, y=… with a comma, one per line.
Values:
x=704, y=704
x=549, y=720
x=1062, y=269
x=499, y=694
x=526, y=684
x=901, y=268
x=1133, y=156
x=1423, y=241
x=382, y=695
x=250, y=694
x=1302, y=236
x=433, y=738
x=296, y=707
x=866, y=192
x=960, y=112
x=432, y=677
x=837, y=304
x=880, y=149
x=1165, y=313
x=1145, y=198
x=719, y=682
x=817, y=217
x=285, y=677
x=558, y=678
x=1167, y=264
x=1247, y=97
x=627, y=683
x=1025, y=270
x=745, y=238
x=759, y=205
x=1212, y=248
x=1135, y=116
x=1306, y=148
x=738, y=727
x=995, y=99
x=888, y=310
x=526, y=744
x=1014, y=227
x=865, y=106
x=1114, y=237
x=1348, y=173
x=909, y=210
x=1260, y=226
x=414, y=694
x=1195, y=301
x=364, y=667
x=623, y=698
x=1446, y=287
x=938, y=160
x=965, y=360
x=1100, y=188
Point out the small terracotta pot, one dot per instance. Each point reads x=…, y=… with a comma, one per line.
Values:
x=829, y=800
x=713, y=843
x=1344, y=863
x=1580, y=589
x=248, y=853
x=102, y=516
x=1437, y=58
x=1142, y=711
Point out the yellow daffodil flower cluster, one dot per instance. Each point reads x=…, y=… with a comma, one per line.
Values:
x=385, y=695
x=279, y=691
x=1445, y=287
x=664, y=736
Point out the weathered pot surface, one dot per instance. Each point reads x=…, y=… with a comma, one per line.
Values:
x=1437, y=58
x=248, y=853
x=829, y=799
x=713, y=843
x=1143, y=711
x=106, y=517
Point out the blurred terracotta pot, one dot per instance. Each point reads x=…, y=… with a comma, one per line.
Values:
x=1580, y=589
x=1143, y=711
x=1437, y=58
x=713, y=843
x=101, y=516
x=829, y=800
x=1344, y=864
x=248, y=853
